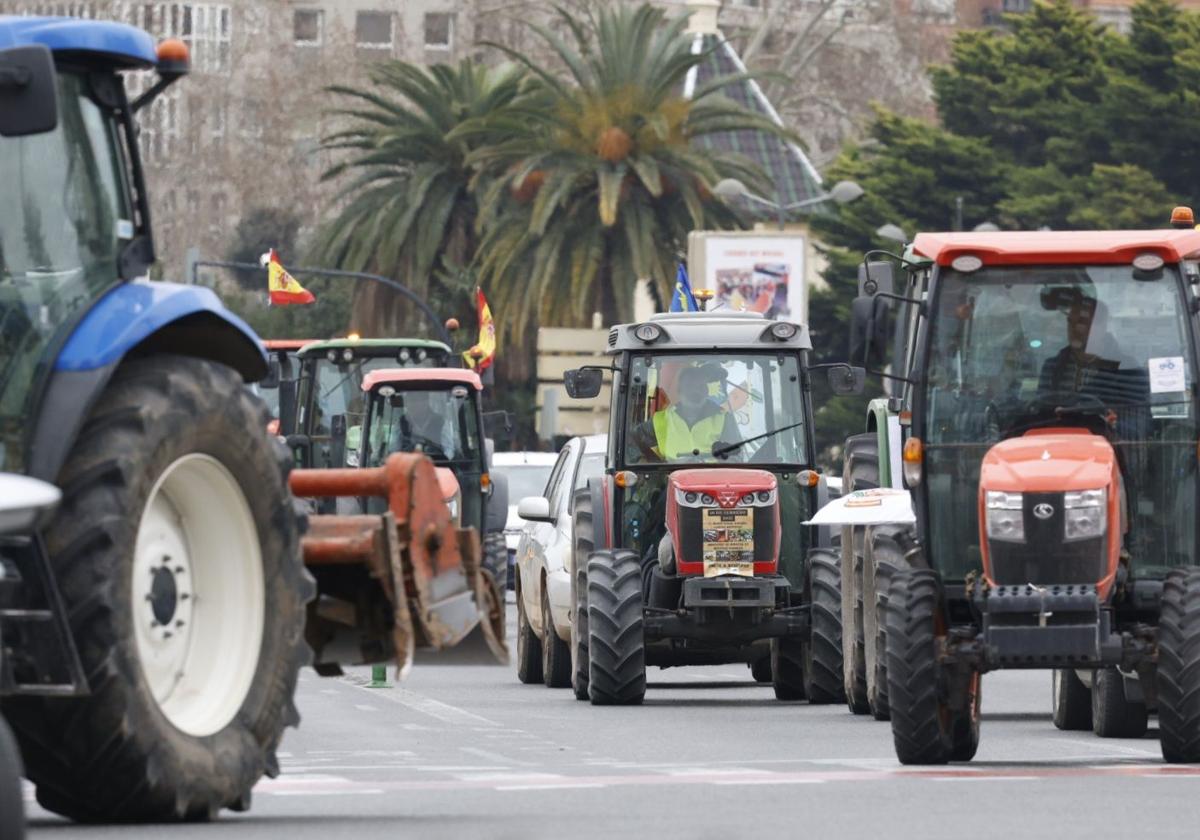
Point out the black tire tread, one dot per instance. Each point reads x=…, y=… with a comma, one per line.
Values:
x=12, y=804
x=616, y=645
x=823, y=680
x=1072, y=708
x=529, y=644
x=888, y=546
x=1178, y=679
x=860, y=472
x=556, y=654
x=583, y=543
x=913, y=669
x=1113, y=715
x=787, y=668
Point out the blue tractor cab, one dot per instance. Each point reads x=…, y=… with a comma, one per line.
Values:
x=163, y=604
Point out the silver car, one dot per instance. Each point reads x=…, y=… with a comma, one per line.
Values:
x=543, y=579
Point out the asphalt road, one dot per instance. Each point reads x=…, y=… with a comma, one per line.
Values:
x=465, y=751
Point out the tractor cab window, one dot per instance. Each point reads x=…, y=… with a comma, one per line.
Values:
x=714, y=408
x=1105, y=348
x=63, y=217
x=440, y=423
x=331, y=394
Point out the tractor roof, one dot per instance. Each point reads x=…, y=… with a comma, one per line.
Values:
x=375, y=343
x=719, y=330
x=114, y=43
x=1112, y=247
x=410, y=376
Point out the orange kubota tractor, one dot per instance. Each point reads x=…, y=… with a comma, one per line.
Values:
x=1047, y=397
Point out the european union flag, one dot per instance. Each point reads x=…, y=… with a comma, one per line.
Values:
x=683, y=300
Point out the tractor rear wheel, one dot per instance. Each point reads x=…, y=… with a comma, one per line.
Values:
x=860, y=472
x=176, y=548
x=823, y=682
x=1179, y=667
x=616, y=644
x=760, y=669
x=923, y=727
x=1071, y=701
x=583, y=543
x=556, y=654
x=787, y=668
x=1113, y=714
x=529, y=644
x=888, y=546
x=12, y=804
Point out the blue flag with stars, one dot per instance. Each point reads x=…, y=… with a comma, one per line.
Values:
x=683, y=300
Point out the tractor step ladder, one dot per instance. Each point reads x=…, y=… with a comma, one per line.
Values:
x=45, y=662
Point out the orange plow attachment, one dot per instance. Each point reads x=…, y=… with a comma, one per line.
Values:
x=392, y=582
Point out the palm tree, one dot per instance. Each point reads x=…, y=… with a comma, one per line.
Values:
x=409, y=212
x=595, y=181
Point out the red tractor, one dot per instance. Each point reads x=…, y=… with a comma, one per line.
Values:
x=690, y=550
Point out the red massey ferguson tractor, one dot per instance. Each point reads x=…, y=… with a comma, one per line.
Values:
x=690, y=550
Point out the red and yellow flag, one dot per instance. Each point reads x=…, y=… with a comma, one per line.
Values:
x=481, y=356
x=282, y=287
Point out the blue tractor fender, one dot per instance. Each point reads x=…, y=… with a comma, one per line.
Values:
x=141, y=318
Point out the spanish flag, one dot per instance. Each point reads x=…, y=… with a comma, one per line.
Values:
x=282, y=287
x=481, y=356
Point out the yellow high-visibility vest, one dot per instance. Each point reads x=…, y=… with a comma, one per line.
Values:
x=676, y=438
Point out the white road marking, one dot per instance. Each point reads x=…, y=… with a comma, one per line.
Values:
x=495, y=758
x=510, y=777
x=567, y=786
x=426, y=705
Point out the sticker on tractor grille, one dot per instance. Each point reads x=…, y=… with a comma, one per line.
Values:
x=728, y=541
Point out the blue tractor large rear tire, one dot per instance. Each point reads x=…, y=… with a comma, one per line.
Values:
x=172, y=476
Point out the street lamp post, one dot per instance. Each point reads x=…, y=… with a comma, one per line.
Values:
x=843, y=192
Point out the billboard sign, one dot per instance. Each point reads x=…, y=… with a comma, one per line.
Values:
x=756, y=271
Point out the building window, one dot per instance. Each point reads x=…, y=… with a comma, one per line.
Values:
x=439, y=31
x=308, y=26
x=373, y=30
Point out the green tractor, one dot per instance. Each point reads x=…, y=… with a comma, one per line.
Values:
x=692, y=549
x=152, y=631
x=1044, y=421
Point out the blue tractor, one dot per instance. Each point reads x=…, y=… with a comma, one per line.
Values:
x=153, y=628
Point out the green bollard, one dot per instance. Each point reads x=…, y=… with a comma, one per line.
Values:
x=379, y=677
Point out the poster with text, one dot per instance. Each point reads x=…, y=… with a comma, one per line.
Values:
x=755, y=272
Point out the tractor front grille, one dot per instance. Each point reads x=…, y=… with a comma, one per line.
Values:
x=1045, y=557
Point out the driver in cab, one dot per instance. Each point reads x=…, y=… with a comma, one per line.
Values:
x=422, y=428
x=693, y=423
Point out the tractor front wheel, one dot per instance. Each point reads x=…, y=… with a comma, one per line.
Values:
x=1113, y=714
x=925, y=728
x=1179, y=667
x=616, y=643
x=823, y=681
x=176, y=548
x=1071, y=701
x=861, y=472
x=888, y=546
x=787, y=668
x=12, y=805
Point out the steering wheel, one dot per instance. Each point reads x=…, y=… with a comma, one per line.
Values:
x=1068, y=401
x=429, y=447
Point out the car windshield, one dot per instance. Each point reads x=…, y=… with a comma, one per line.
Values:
x=713, y=408
x=438, y=422
x=1103, y=347
x=62, y=218
x=525, y=479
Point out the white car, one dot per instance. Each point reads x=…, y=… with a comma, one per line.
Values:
x=543, y=578
x=527, y=473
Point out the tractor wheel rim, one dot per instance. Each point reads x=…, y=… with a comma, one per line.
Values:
x=198, y=597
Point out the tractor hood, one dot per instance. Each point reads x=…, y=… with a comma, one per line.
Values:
x=726, y=485
x=1049, y=461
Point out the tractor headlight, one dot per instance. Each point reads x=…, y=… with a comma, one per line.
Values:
x=748, y=499
x=1085, y=514
x=1005, y=516
x=707, y=500
x=691, y=498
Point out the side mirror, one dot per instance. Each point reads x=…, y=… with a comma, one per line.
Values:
x=876, y=277
x=274, y=375
x=868, y=331
x=535, y=509
x=28, y=93
x=846, y=380
x=583, y=383
x=497, y=424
